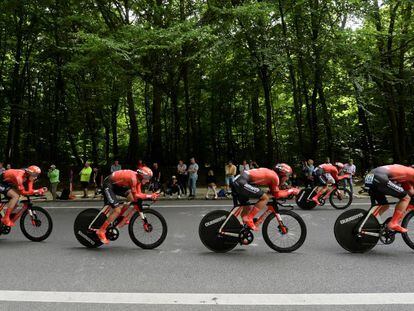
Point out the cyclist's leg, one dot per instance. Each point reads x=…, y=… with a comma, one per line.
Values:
x=13, y=196
x=110, y=199
x=322, y=187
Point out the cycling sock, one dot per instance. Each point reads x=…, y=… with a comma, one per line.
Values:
x=248, y=219
x=395, y=222
x=6, y=219
x=316, y=197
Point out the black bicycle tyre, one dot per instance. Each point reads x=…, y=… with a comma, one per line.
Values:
x=295, y=246
x=340, y=207
x=85, y=237
x=302, y=199
x=406, y=236
x=136, y=240
x=36, y=209
x=346, y=226
x=208, y=231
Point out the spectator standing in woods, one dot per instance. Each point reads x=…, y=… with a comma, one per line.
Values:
x=211, y=184
x=85, y=177
x=182, y=176
x=192, y=178
x=350, y=168
x=54, y=180
x=230, y=171
x=97, y=179
x=243, y=167
x=116, y=166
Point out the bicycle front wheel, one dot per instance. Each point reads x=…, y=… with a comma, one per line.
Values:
x=285, y=236
x=408, y=223
x=340, y=198
x=36, y=226
x=148, y=234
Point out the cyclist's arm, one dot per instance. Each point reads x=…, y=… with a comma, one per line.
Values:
x=29, y=190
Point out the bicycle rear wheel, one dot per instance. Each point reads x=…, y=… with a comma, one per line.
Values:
x=408, y=223
x=346, y=231
x=340, y=198
x=302, y=199
x=287, y=236
x=149, y=234
x=83, y=234
x=209, y=231
x=36, y=226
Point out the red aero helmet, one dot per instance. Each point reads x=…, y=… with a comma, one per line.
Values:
x=283, y=169
x=33, y=170
x=339, y=165
x=144, y=173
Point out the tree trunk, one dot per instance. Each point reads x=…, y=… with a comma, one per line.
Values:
x=133, y=152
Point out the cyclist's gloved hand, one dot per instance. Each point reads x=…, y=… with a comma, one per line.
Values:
x=155, y=196
x=40, y=191
x=294, y=191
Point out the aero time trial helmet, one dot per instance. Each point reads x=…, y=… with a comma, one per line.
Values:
x=33, y=170
x=144, y=172
x=339, y=165
x=283, y=169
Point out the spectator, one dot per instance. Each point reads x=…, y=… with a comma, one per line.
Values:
x=243, y=167
x=2, y=169
x=308, y=169
x=230, y=173
x=182, y=176
x=116, y=166
x=349, y=168
x=140, y=164
x=211, y=184
x=97, y=179
x=294, y=182
x=53, y=175
x=85, y=177
x=156, y=178
x=253, y=164
x=327, y=160
x=173, y=187
x=8, y=166
x=192, y=178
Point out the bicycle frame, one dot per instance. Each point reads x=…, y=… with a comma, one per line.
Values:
x=374, y=211
x=26, y=205
x=136, y=207
x=272, y=207
x=325, y=197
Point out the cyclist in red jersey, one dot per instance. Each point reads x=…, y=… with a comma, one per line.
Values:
x=12, y=185
x=246, y=185
x=284, y=171
x=125, y=183
x=394, y=180
x=324, y=174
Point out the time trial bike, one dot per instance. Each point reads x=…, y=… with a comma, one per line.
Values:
x=35, y=222
x=359, y=230
x=339, y=197
x=147, y=228
x=283, y=230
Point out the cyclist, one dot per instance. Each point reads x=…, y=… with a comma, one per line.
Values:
x=12, y=185
x=125, y=183
x=246, y=186
x=325, y=174
x=394, y=180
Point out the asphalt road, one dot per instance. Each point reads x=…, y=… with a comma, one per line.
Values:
x=183, y=265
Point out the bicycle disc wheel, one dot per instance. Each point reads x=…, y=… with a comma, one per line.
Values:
x=85, y=236
x=408, y=223
x=148, y=235
x=340, y=198
x=209, y=231
x=287, y=239
x=38, y=226
x=302, y=199
x=347, y=226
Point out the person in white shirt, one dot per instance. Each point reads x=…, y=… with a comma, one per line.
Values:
x=243, y=167
x=349, y=168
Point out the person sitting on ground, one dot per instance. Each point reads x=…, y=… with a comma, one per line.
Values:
x=17, y=182
x=173, y=187
x=125, y=183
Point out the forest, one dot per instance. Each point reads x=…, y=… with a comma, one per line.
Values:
x=269, y=80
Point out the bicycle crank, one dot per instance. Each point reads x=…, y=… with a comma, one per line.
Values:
x=246, y=236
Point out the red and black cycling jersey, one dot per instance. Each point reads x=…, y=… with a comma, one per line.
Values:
x=394, y=180
x=264, y=177
x=18, y=179
x=128, y=179
x=328, y=168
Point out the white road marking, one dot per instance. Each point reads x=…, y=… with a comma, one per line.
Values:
x=210, y=299
x=183, y=205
